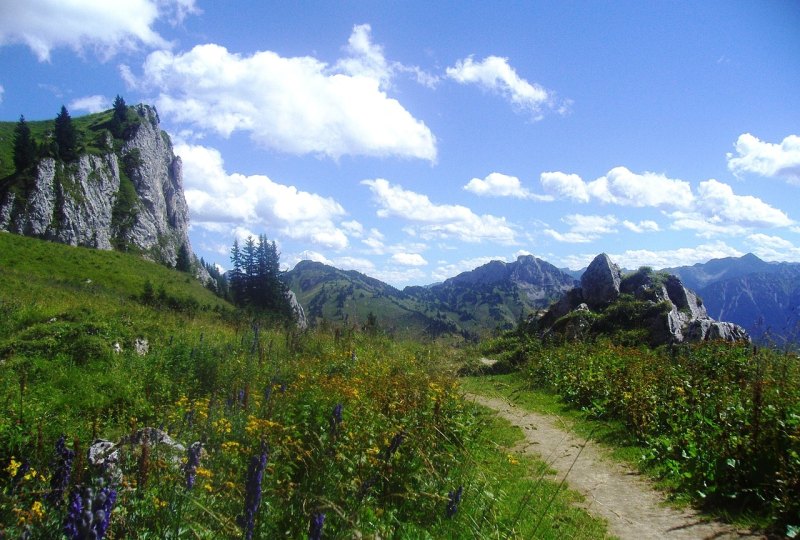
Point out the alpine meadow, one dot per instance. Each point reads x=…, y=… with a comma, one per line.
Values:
x=330, y=270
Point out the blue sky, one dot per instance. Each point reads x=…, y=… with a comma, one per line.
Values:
x=415, y=140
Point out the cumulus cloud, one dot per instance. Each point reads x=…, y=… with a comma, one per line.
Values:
x=635, y=258
x=584, y=228
x=501, y=185
x=641, y=227
x=296, y=105
x=408, y=259
x=623, y=187
x=766, y=159
x=495, y=74
x=718, y=201
x=218, y=199
x=773, y=248
x=438, y=220
x=567, y=186
x=103, y=27
x=90, y=104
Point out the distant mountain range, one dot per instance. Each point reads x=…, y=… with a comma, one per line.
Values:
x=762, y=297
x=469, y=305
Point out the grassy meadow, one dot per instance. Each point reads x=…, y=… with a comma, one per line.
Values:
x=325, y=434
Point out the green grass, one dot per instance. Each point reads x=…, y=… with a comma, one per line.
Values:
x=407, y=438
x=717, y=424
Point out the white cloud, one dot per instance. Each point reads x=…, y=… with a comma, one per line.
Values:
x=90, y=104
x=295, y=105
x=448, y=270
x=216, y=197
x=494, y=73
x=408, y=259
x=641, y=227
x=717, y=201
x=623, y=187
x=569, y=186
x=438, y=220
x=502, y=185
x=104, y=27
x=626, y=188
x=584, y=228
x=635, y=258
x=766, y=159
x=773, y=248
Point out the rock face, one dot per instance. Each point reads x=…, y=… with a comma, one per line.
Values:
x=297, y=311
x=600, y=282
x=655, y=303
x=129, y=199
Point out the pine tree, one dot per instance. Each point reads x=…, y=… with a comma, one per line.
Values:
x=236, y=278
x=120, y=109
x=184, y=260
x=24, y=146
x=66, y=136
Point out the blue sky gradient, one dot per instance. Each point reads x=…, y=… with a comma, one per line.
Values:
x=415, y=140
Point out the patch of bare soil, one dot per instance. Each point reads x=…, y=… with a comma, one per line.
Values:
x=633, y=508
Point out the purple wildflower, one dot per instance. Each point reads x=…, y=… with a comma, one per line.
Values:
x=454, y=498
x=397, y=440
x=252, y=497
x=63, y=468
x=336, y=418
x=315, y=529
x=89, y=513
x=191, y=464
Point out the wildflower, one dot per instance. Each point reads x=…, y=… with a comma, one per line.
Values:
x=191, y=464
x=13, y=467
x=315, y=529
x=63, y=467
x=336, y=418
x=397, y=440
x=252, y=498
x=37, y=510
x=454, y=498
x=89, y=512
x=230, y=446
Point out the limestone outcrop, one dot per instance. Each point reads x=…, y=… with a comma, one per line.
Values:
x=654, y=304
x=129, y=197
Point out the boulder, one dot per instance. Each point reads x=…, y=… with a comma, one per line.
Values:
x=600, y=282
x=297, y=310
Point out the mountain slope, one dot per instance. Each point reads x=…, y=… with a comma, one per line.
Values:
x=761, y=296
x=346, y=296
x=471, y=304
x=124, y=189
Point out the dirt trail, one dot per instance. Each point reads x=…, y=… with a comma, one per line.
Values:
x=633, y=508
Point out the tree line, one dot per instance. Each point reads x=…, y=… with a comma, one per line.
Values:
x=254, y=280
x=64, y=143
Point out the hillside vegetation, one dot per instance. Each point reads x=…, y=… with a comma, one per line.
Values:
x=324, y=434
x=719, y=423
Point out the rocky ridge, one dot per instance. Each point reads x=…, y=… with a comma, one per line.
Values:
x=128, y=198
x=657, y=304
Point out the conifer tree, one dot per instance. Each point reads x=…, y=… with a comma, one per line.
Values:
x=66, y=136
x=24, y=146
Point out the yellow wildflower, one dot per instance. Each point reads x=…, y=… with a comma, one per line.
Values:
x=13, y=467
x=37, y=510
x=512, y=460
x=230, y=446
x=203, y=472
x=223, y=425
x=158, y=503
x=208, y=487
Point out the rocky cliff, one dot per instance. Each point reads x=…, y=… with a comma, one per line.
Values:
x=654, y=306
x=124, y=193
